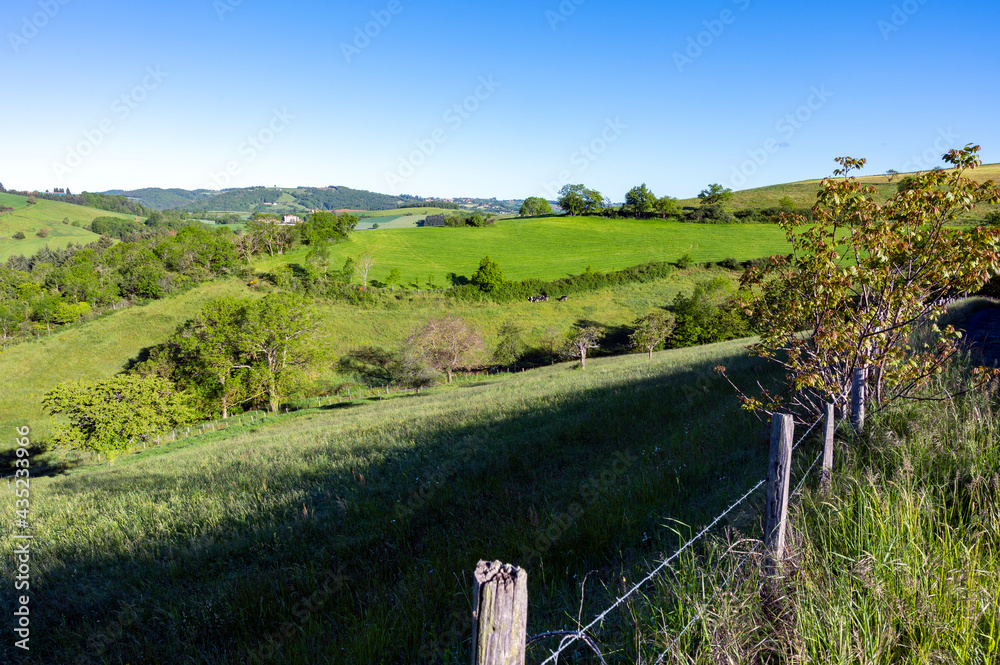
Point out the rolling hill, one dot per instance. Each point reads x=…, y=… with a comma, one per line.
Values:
x=265, y=199
x=54, y=216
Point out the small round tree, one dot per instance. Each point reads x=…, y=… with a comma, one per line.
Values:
x=489, y=277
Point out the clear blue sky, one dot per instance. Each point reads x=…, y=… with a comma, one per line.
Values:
x=103, y=94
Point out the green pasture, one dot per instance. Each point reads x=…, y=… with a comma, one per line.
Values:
x=102, y=347
x=549, y=247
x=48, y=215
x=376, y=512
x=92, y=350
x=803, y=193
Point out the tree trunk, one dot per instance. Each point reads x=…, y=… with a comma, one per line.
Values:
x=650, y=353
x=583, y=358
x=449, y=375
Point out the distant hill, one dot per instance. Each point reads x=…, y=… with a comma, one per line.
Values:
x=163, y=199
x=268, y=199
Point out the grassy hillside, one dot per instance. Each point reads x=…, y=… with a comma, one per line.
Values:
x=550, y=247
x=101, y=348
x=48, y=215
x=348, y=535
x=803, y=193
x=93, y=350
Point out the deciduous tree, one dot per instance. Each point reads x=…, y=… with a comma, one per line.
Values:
x=106, y=416
x=864, y=281
x=715, y=194
x=446, y=344
x=652, y=330
x=535, y=205
x=580, y=340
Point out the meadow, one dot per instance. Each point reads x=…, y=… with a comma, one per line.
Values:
x=46, y=214
x=803, y=193
x=104, y=346
x=547, y=247
x=348, y=534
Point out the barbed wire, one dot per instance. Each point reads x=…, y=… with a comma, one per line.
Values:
x=666, y=562
x=805, y=476
x=807, y=432
x=697, y=616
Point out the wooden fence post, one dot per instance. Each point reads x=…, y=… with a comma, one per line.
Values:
x=500, y=610
x=779, y=469
x=858, y=386
x=831, y=424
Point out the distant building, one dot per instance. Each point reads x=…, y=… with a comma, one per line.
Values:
x=290, y=220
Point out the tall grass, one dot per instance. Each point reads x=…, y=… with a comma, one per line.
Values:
x=898, y=563
x=348, y=535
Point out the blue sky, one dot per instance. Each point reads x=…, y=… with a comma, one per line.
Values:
x=508, y=99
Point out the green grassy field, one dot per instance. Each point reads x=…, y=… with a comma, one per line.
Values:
x=376, y=513
x=549, y=247
x=92, y=350
x=48, y=215
x=803, y=193
x=100, y=348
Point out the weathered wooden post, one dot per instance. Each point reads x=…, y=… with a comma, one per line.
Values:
x=500, y=610
x=831, y=425
x=858, y=387
x=778, y=478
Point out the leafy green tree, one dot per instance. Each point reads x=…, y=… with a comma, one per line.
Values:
x=715, y=194
x=580, y=340
x=394, y=277
x=666, y=206
x=240, y=350
x=864, y=277
x=510, y=344
x=710, y=314
x=489, y=277
x=476, y=220
x=652, y=330
x=786, y=203
x=890, y=175
x=578, y=200
x=640, y=201
x=535, y=205
x=106, y=416
x=446, y=344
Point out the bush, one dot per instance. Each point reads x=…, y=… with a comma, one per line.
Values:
x=993, y=218
x=729, y=264
x=708, y=214
x=685, y=262
x=19, y=235
x=42, y=233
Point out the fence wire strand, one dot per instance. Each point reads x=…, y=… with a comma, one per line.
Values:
x=571, y=638
x=697, y=616
x=666, y=562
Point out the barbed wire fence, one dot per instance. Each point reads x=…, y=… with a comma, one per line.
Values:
x=490, y=624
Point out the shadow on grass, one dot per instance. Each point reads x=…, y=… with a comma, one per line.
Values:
x=357, y=547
